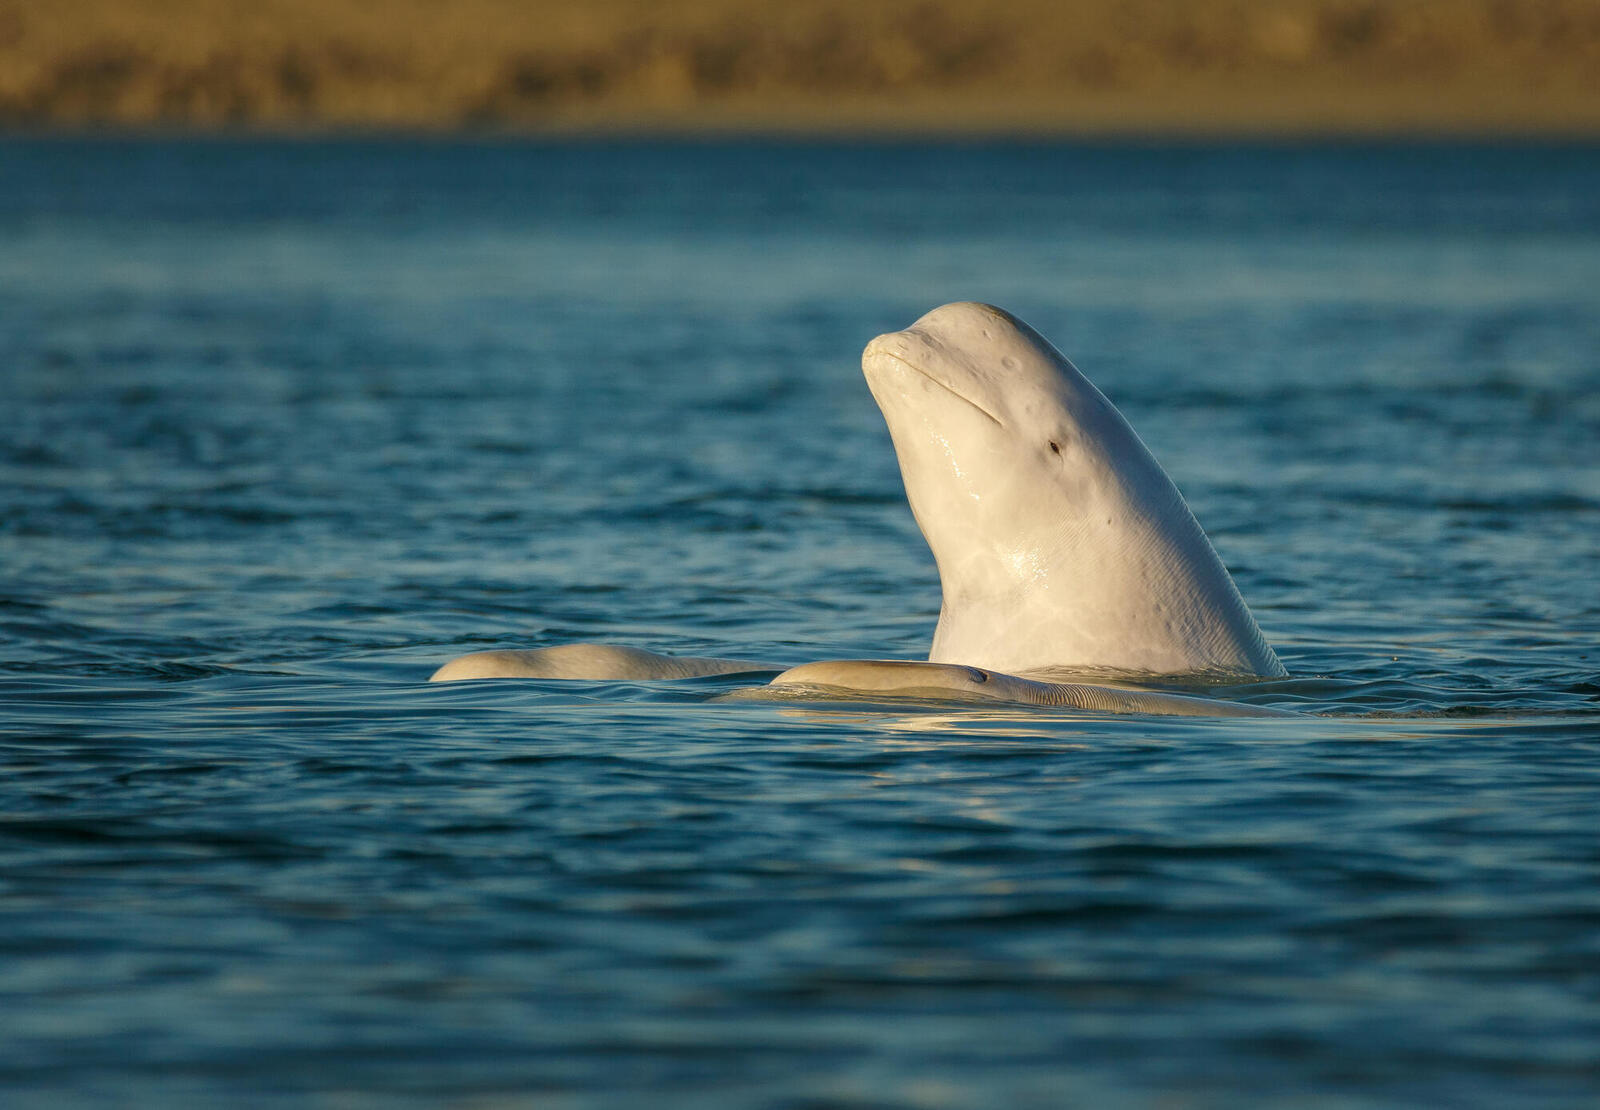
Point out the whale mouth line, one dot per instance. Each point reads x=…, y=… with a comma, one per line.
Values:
x=946, y=386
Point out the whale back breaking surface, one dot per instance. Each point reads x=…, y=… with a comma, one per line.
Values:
x=855, y=678
x=608, y=662
x=1060, y=541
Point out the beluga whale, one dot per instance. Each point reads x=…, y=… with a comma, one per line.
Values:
x=1063, y=548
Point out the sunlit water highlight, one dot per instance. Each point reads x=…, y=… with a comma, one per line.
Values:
x=285, y=425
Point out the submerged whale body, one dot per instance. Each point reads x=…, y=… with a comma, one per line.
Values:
x=1061, y=544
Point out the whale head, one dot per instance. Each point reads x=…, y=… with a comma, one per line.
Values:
x=1060, y=541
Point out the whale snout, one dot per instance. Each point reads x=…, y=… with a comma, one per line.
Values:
x=912, y=349
x=893, y=362
x=894, y=353
x=895, y=345
x=957, y=345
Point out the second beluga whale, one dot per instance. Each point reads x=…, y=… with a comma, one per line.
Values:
x=1062, y=546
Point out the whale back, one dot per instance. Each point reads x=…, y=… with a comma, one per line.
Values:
x=1060, y=541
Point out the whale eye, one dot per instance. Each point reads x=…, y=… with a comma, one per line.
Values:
x=1055, y=448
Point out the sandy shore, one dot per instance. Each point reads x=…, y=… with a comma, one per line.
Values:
x=870, y=66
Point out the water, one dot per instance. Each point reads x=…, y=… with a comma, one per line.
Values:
x=285, y=425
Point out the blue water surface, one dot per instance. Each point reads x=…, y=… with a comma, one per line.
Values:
x=286, y=424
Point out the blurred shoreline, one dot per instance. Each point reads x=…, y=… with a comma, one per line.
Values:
x=1490, y=68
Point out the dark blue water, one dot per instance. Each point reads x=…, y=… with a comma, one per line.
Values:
x=285, y=425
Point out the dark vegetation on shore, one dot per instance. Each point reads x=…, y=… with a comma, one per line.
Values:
x=1472, y=66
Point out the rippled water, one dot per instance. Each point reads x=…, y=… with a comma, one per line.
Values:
x=285, y=425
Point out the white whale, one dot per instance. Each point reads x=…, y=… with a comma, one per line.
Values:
x=1062, y=546
x=1060, y=540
